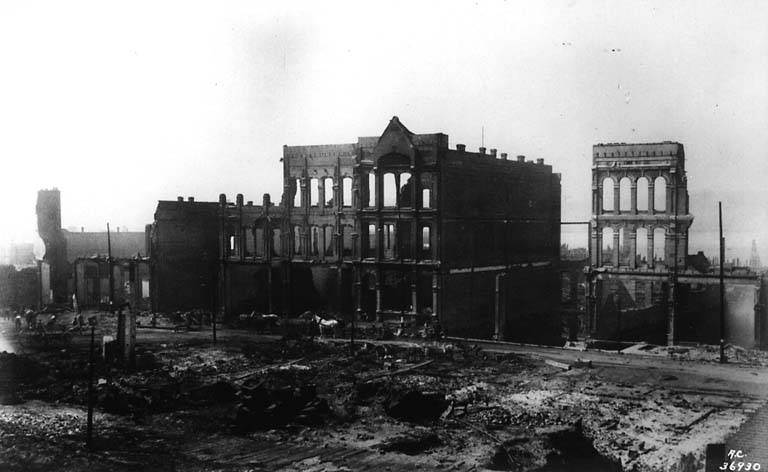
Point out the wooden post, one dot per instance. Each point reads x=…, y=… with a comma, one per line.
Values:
x=722, y=284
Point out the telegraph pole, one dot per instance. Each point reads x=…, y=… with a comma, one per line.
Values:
x=111, y=272
x=91, y=362
x=722, y=284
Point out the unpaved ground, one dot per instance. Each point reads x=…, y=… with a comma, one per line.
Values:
x=314, y=406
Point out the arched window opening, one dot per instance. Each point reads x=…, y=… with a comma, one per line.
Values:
x=297, y=240
x=641, y=252
x=328, y=191
x=608, y=195
x=314, y=192
x=371, y=189
x=390, y=190
x=259, y=242
x=426, y=243
x=389, y=241
x=625, y=194
x=347, y=240
x=346, y=191
x=659, y=243
x=425, y=198
x=372, y=240
x=642, y=194
x=607, y=247
x=315, y=241
x=277, y=246
x=328, y=235
x=297, y=195
x=405, y=190
x=623, y=247
x=660, y=194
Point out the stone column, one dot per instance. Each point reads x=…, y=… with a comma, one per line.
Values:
x=651, y=196
x=632, y=235
x=321, y=242
x=671, y=315
x=633, y=197
x=596, y=189
x=669, y=248
x=597, y=245
x=650, y=248
x=616, y=197
x=616, y=248
x=378, y=298
x=670, y=203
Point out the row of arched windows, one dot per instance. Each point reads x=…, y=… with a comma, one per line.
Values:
x=255, y=244
x=397, y=188
x=321, y=240
x=644, y=198
x=642, y=240
x=396, y=241
x=328, y=194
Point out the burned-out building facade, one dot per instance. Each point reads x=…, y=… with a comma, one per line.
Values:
x=387, y=227
x=67, y=265
x=643, y=284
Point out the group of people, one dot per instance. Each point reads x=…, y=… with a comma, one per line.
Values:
x=33, y=321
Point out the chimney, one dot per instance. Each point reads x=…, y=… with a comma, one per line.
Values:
x=461, y=147
x=179, y=199
x=266, y=199
x=222, y=199
x=239, y=199
x=82, y=229
x=520, y=158
x=493, y=152
x=540, y=161
x=190, y=199
x=250, y=203
x=481, y=150
x=504, y=155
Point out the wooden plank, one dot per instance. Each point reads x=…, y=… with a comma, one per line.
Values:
x=400, y=371
x=559, y=365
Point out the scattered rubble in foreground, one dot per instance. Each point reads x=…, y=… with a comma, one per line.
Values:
x=266, y=404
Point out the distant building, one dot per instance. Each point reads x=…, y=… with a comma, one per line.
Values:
x=63, y=247
x=20, y=255
x=391, y=226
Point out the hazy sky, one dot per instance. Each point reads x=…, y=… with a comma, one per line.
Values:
x=122, y=104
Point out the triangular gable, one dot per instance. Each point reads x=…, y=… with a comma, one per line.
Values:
x=396, y=139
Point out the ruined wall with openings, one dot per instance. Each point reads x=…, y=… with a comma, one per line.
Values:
x=640, y=212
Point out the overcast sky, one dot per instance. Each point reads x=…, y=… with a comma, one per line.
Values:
x=121, y=105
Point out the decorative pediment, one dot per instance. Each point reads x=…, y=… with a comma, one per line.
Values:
x=396, y=140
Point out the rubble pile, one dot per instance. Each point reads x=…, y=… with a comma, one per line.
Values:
x=432, y=403
x=264, y=408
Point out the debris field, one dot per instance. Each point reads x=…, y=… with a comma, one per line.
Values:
x=267, y=403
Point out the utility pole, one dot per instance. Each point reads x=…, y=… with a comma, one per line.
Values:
x=213, y=326
x=722, y=284
x=89, y=427
x=111, y=272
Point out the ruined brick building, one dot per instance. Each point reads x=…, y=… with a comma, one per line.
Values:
x=390, y=226
x=70, y=264
x=643, y=284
